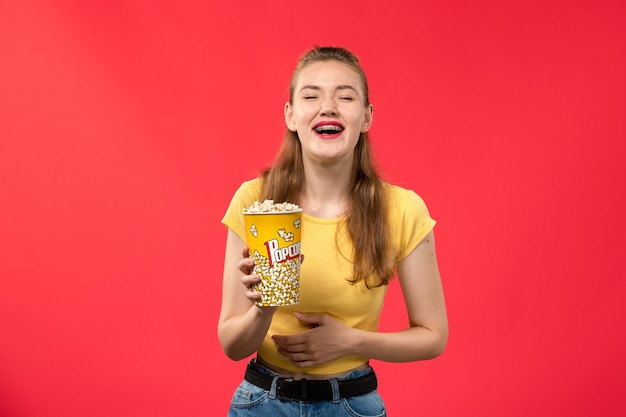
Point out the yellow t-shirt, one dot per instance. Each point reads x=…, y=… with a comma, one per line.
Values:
x=323, y=284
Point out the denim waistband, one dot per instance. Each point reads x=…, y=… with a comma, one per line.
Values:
x=350, y=375
x=355, y=383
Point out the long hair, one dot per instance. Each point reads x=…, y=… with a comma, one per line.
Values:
x=366, y=219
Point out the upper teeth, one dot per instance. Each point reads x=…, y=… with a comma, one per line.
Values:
x=329, y=127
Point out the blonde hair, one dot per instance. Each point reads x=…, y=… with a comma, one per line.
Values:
x=366, y=219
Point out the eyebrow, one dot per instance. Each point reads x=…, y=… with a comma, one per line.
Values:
x=339, y=87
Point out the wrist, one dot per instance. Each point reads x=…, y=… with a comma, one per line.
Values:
x=263, y=313
x=358, y=342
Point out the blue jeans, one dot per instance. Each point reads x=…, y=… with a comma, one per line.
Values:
x=250, y=400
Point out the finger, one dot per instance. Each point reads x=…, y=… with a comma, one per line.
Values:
x=251, y=293
x=304, y=364
x=250, y=281
x=294, y=356
x=293, y=343
x=245, y=265
x=292, y=347
x=253, y=296
x=300, y=360
x=313, y=319
x=245, y=251
x=281, y=341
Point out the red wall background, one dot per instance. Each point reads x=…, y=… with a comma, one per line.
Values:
x=125, y=127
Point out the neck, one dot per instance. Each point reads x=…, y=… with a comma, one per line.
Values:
x=326, y=190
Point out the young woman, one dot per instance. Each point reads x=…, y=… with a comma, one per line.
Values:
x=357, y=233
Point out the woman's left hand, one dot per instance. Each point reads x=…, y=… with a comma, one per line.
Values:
x=328, y=339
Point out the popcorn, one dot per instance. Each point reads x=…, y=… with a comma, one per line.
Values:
x=280, y=283
x=273, y=238
x=268, y=206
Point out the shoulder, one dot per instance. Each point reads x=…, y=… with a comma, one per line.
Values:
x=248, y=191
x=409, y=219
x=252, y=186
x=402, y=199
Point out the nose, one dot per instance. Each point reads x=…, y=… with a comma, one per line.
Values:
x=327, y=107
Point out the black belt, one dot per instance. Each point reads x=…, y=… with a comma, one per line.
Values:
x=311, y=389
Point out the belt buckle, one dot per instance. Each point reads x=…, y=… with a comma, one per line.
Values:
x=280, y=384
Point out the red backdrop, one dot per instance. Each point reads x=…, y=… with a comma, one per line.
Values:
x=125, y=127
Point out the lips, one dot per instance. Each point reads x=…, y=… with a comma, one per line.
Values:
x=328, y=129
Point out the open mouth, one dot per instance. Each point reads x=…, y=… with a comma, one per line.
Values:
x=328, y=128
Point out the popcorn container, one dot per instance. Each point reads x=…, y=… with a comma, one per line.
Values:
x=273, y=238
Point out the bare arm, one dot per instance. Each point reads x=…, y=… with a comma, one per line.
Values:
x=427, y=334
x=242, y=325
x=425, y=338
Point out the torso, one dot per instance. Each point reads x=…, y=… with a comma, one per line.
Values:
x=285, y=373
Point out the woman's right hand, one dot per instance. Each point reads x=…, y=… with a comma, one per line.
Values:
x=242, y=325
x=250, y=279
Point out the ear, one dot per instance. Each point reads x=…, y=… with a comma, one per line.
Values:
x=289, y=120
x=367, y=120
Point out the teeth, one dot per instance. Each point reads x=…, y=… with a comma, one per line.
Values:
x=333, y=128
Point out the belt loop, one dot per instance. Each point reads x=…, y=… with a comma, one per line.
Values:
x=335, y=387
x=273, y=387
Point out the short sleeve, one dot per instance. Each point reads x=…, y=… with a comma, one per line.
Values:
x=247, y=193
x=410, y=221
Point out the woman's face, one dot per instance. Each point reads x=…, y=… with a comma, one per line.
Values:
x=328, y=111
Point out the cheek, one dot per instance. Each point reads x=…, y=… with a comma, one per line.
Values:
x=303, y=117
